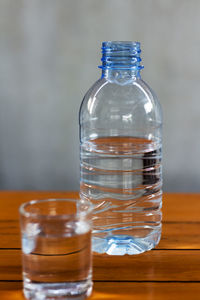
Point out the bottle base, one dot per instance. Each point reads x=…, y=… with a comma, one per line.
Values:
x=47, y=291
x=125, y=244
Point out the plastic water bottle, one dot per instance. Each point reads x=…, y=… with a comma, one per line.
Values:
x=120, y=153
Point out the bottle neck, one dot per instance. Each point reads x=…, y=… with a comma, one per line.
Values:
x=119, y=74
x=121, y=60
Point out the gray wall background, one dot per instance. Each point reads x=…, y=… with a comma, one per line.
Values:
x=49, y=53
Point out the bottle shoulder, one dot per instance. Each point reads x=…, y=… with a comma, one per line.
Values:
x=133, y=89
x=111, y=98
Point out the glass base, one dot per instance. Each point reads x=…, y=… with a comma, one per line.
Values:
x=125, y=244
x=58, y=291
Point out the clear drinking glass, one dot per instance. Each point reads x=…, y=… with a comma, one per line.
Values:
x=56, y=249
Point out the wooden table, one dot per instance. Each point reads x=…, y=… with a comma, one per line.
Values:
x=171, y=271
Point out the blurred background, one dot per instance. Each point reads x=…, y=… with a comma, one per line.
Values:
x=49, y=53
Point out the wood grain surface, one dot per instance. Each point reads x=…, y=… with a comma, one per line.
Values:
x=174, y=235
x=176, y=207
x=122, y=291
x=155, y=265
x=171, y=271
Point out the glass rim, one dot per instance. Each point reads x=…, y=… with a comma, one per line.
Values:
x=23, y=206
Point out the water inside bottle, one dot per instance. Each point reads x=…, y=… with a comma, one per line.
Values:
x=121, y=176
